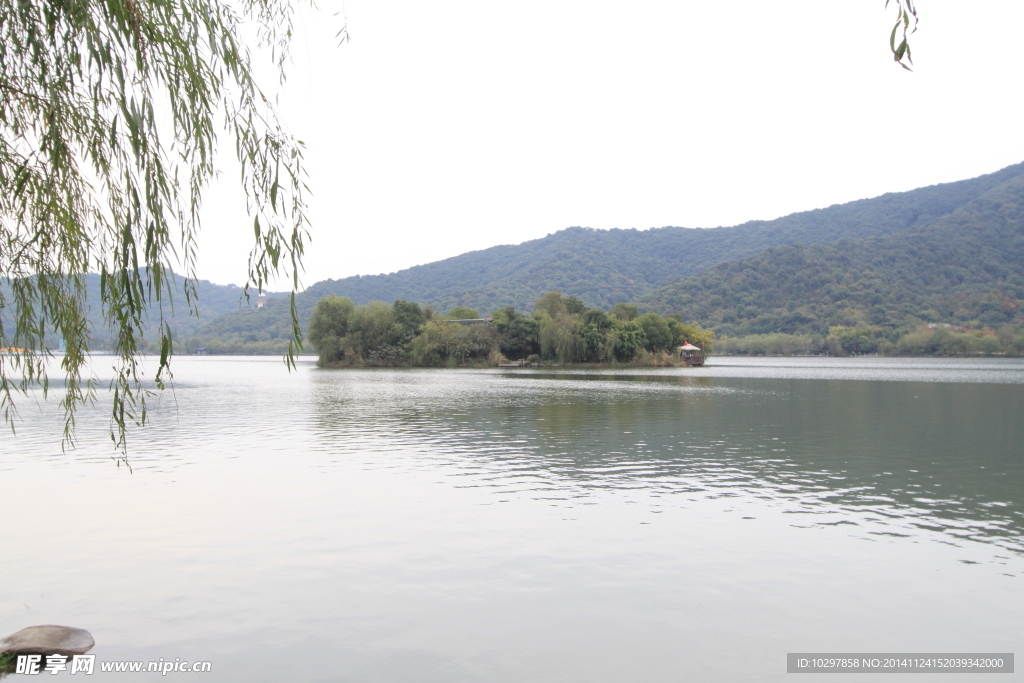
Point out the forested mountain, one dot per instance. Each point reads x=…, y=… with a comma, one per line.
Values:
x=603, y=267
x=964, y=267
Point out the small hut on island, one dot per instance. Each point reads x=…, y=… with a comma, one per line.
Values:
x=691, y=355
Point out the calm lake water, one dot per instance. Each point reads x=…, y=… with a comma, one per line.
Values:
x=529, y=525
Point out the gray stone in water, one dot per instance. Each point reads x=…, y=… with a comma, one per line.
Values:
x=48, y=640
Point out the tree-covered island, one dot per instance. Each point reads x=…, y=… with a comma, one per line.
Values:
x=935, y=271
x=559, y=330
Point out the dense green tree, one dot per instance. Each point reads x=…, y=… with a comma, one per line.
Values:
x=656, y=329
x=328, y=327
x=552, y=304
x=596, y=318
x=628, y=339
x=410, y=318
x=425, y=348
x=519, y=335
x=594, y=345
x=374, y=334
x=624, y=312
x=561, y=337
x=574, y=305
x=442, y=342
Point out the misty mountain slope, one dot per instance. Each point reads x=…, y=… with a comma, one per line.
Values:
x=603, y=267
x=213, y=301
x=606, y=266
x=966, y=266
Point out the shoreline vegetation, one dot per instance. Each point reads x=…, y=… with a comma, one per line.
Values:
x=937, y=271
x=559, y=331
x=935, y=340
x=563, y=331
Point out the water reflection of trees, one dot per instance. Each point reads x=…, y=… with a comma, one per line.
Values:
x=942, y=457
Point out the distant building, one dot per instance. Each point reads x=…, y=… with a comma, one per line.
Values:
x=692, y=355
x=261, y=301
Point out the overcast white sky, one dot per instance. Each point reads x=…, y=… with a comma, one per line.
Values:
x=448, y=126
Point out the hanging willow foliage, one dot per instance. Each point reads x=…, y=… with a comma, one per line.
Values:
x=906, y=23
x=109, y=114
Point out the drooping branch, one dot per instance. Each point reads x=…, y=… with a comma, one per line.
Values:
x=108, y=129
x=906, y=24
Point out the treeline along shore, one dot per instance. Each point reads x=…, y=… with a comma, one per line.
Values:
x=936, y=271
x=559, y=330
x=564, y=330
x=941, y=339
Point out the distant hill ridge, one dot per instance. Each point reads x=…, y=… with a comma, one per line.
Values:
x=603, y=267
x=964, y=267
x=213, y=301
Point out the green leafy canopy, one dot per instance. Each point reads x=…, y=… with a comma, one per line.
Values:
x=109, y=114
